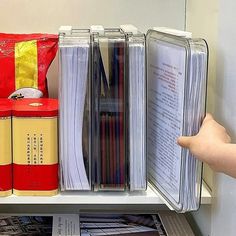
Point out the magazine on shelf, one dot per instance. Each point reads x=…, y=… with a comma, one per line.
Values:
x=40, y=225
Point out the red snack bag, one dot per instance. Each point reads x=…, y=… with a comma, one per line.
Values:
x=24, y=61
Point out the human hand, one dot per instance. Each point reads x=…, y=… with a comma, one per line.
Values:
x=211, y=145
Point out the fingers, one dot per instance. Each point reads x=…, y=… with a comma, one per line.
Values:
x=207, y=118
x=228, y=138
x=184, y=141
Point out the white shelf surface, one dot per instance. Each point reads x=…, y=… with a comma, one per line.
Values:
x=149, y=197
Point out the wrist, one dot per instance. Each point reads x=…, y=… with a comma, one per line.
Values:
x=215, y=156
x=223, y=158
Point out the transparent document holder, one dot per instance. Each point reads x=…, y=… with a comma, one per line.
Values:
x=75, y=111
x=176, y=76
x=102, y=110
x=118, y=98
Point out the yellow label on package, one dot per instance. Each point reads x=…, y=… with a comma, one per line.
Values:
x=35, y=141
x=5, y=141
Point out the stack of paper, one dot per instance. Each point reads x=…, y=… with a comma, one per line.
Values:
x=73, y=87
x=137, y=116
x=195, y=110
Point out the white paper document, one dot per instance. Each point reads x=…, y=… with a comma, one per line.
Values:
x=165, y=114
x=73, y=86
x=66, y=225
x=137, y=116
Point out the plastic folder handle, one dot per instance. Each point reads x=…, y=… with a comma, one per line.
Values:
x=129, y=29
x=97, y=29
x=65, y=29
x=167, y=30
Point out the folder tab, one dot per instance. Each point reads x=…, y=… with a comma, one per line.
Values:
x=97, y=29
x=65, y=30
x=175, y=32
x=129, y=29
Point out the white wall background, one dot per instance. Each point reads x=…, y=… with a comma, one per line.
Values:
x=202, y=21
x=27, y=16
x=215, y=20
x=48, y=15
x=224, y=206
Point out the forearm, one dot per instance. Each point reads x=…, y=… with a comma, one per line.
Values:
x=224, y=159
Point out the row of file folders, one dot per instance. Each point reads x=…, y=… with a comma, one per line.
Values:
x=125, y=97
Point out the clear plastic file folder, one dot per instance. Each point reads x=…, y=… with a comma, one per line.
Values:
x=75, y=111
x=108, y=88
x=177, y=77
x=118, y=94
x=137, y=109
x=124, y=100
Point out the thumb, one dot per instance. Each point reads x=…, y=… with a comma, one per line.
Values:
x=184, y=141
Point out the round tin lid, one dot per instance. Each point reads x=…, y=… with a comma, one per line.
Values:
x=5, y=107
x=35, y=107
